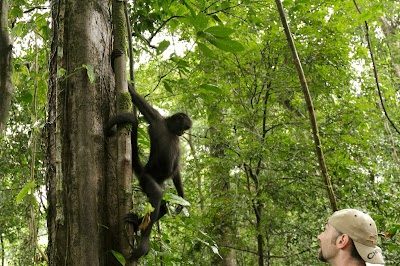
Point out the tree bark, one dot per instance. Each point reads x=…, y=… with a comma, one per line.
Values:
x=119, y=192
x=6, y=85
x=78, y=176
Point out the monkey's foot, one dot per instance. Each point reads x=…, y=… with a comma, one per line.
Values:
x=142, y=250
x=133, y=219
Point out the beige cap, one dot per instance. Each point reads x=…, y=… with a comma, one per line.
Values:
x=361, y=228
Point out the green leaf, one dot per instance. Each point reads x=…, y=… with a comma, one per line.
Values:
x=210, y=88
x=175, y=199
x=24, y=191
x=26, y=97
x=217, y=19
x=185, y=3
x=162, y=46
x=219, y=31
x=119, y=257
x=391, y=247
x=205, y=50
x=226, y=44
x=167, y=86
x=199, y=21
x=90, y=73
x=16, y=12
x=149, y=208
x=61, y=72
x=392, y=231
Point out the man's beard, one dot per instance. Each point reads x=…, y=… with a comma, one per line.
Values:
x=321, y=256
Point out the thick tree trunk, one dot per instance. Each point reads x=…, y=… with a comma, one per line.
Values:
x=84, y=212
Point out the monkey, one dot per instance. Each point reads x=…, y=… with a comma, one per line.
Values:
x=163, y=161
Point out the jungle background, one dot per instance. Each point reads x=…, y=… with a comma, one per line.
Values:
x=249, y=164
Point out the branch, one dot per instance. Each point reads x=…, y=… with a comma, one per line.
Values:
x=378, y=87
x=36, y=7
x=310, y=107
x=162, y=25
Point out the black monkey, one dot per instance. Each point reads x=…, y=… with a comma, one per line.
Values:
x=162, y=164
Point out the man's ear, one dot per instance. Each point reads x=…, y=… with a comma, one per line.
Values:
x=343, y=241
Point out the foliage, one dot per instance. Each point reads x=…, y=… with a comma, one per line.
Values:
x=249, y=164
x=19, y=194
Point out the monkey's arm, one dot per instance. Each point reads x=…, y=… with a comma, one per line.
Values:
x=179, y=189
x=178, y=185
x=148, y=111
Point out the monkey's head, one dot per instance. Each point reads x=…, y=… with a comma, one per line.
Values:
x=178, y=123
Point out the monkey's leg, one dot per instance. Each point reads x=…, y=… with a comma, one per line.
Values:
x=134, y=219
x=154, y=192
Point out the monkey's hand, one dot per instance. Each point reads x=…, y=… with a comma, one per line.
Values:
x=178, y=209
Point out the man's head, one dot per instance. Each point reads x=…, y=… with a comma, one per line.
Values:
x=351, y=229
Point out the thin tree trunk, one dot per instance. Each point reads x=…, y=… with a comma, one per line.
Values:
x=392, y=42
x=33, y=227
x=375, y=70
x=119, y=193
x=3, y=254
x=224, y=231
x=310, y=107
x=198, y=177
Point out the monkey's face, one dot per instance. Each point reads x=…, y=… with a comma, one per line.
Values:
x=178, y=123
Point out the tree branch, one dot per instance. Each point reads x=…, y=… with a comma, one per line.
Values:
x=378, y=87
x=310, y=107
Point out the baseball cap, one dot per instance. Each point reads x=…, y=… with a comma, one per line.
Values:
x=361, y=228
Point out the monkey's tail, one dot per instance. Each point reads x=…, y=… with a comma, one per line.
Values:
x=127, y=118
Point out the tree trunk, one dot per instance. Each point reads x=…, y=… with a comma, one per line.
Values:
x=84, y=214
x=2, y=250
x=310, y=107
x=224, y=227
x=389, y=29
x=6, y=85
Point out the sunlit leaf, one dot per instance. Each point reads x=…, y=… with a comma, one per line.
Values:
x=90, y=72
x=199, y=21
x=219, y=31
x=162, y=46
x=175, y=199
x=214, y=248
x=226, y=44
x=25, y=190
